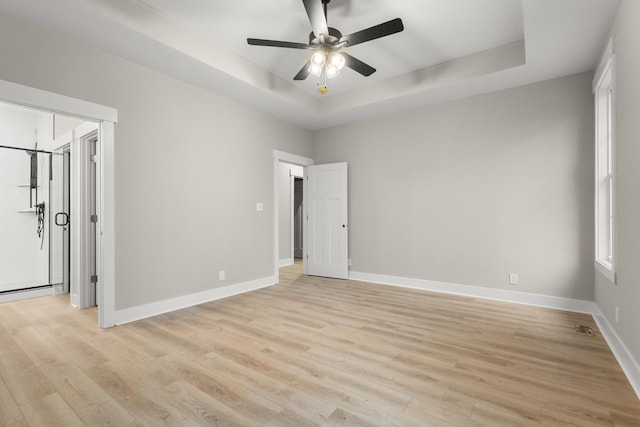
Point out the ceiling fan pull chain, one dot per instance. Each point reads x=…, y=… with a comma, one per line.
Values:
x=323, y=88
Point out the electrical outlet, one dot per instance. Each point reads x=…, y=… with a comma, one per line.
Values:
x=349, y=262
x=221, y=274
x=617, y=314
x=513, y=278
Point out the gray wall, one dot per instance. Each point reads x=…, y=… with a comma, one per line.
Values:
x=626, y=294
x=469, y=191
x=190, y=166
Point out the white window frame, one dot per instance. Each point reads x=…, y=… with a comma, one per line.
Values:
x=605, y=176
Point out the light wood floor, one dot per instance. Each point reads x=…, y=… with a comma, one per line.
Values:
x=309, y=352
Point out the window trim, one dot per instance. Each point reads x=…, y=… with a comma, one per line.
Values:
x=605, y=76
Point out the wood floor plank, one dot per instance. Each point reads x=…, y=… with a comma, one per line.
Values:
x=143, y=403
x=287, y=418
x=620, y=420
x=9, y=411
x=72, y=384
x=312, y=352
x=51, y=410
x=230, y=393
x=108, y=414
x=38, y=346
x=203, y=408
x=490, y=414
x=76, y=348
x=342, y=418
x=561, y=418
x=21, y=376
x=295, y=401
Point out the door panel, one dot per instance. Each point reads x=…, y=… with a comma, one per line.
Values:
x=297, y=218
x=325, y=197
x=59, y=224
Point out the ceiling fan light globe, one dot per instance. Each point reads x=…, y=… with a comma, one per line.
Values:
x=332, y=71
x=315, y=69
x=318, y=57
x=336, y=60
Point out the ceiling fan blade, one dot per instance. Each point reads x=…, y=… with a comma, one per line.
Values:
x=357, y=65
x=277, y=43
x=372, y=33
x=315, y=12
x=304, y=72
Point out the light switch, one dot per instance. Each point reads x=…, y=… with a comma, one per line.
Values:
x=259, y=206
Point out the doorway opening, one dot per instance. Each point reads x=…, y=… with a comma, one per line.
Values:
x=324, y=216
x=290, y=221
x=284, y=182
x=102, y=121
x=39, y=195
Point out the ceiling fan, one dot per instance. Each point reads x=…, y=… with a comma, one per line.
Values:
x=327, y=43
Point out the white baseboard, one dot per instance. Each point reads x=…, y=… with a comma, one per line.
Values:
x=153, y=309
x=569, y=304
x=627, y=362
x=285, y=262
x=629, y=365
x=26, y=294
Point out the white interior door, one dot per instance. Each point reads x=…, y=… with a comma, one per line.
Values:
x=325, y=209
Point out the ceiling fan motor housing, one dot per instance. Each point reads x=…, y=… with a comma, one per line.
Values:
x=331, y=39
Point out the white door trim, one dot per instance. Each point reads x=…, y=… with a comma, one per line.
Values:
x=294, y=159
x=293, y=174
x=107, y=117
x=82, y=292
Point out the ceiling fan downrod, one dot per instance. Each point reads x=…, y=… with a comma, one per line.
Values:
x=324, y=6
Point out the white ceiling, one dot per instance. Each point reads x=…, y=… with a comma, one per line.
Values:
x=448, y=50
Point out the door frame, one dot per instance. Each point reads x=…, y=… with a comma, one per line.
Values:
x=293, y=214
x=83, y=250
x=294, y=159
x=106, y=117
x=292, y=180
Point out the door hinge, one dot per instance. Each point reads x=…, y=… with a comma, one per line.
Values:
x=94, y=279
x=94, y=218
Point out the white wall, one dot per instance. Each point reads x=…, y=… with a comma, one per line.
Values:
x=22, y=261
x=17, y=230
x=183, y=212
x=626, y=293
x=469, y=191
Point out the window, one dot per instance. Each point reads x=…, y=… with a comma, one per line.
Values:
x=605, y=170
